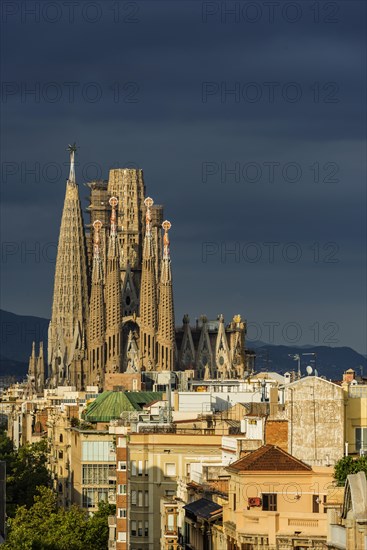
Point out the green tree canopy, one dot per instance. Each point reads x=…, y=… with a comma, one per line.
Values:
x=25, y=470
x=349, y=465
x=44, y=526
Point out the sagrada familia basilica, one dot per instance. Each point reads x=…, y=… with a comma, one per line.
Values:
x=113, y=309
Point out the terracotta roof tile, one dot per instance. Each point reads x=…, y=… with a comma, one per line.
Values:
x=269, y=458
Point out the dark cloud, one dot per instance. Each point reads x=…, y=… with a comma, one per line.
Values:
x=188, y=136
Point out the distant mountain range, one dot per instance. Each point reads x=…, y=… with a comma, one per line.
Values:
x=19, y=331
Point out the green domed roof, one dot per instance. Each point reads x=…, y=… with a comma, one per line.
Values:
x=110, y=404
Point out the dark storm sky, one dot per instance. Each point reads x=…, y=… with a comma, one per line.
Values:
x=250, y=128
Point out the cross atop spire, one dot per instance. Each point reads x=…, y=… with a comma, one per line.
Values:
x=72, y=150
x=166, y=226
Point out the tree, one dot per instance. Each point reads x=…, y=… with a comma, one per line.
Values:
x=28, y=472
x=98, y=530
x=349, y=465
x=44, y=526
x=25, y=471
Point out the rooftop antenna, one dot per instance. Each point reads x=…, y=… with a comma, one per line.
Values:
x=297, y=358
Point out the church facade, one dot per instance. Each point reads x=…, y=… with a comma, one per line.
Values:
x=113, y=309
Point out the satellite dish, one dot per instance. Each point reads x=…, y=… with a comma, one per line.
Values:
x=309, y=370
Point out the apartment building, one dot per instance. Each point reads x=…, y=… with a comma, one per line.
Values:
x=276, y=501
x=158, y=471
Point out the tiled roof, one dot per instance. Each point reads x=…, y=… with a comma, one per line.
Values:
x=203, y=508
x=110, y=404
x=269, y=458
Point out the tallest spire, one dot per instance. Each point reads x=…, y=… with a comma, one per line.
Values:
x=70, y=299
x=72, y=150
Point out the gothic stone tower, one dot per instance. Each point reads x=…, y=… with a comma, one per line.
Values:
x=166, y=317
x=66, y=343
x=97, y=317
x=148, y=297
x=113, y=298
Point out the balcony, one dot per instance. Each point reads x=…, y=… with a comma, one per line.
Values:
x=284, y=523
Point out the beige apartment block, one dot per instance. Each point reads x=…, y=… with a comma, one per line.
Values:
x=355, y=414
x=276, y=502
x=158, y=471
x=92, y=467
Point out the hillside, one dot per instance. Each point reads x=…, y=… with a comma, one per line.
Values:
x=19, y=331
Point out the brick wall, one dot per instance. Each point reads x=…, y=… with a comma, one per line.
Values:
x=276, y=433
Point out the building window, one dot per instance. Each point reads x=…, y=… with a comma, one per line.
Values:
x=146, y=468
x=133, y=467
x=234, y=501
x=133, y=529
x=361, y=439
x=121, y=489
x=61, y=455
x=121, y=465
x=146, y=528
x=121, y=537
x=121, y=513
x=146, y=498
x=97, y=451
x=140, y=528
x=140, y=498
x=61, y=439
x=133, y=498
x=269, y=502
x=315, y=504
x=121, y=442
x=98, y=474
x=92, y=496
x=170, y=523
x=140, y=468
x=170, y=469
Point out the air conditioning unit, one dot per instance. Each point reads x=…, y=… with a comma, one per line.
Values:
x=254, y=501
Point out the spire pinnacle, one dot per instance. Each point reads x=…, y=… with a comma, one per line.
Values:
x=97, y=225
x=113, y=202
x=148, y=216
x=72, y=150
x=166, y=226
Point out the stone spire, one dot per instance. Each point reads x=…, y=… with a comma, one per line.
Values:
x=166, y=316
x=32, y=365
x=148, y=296
x=113, y=298
x=97, y=324
x=40, y=371
x=70, y=299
